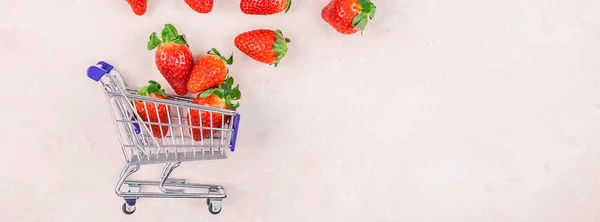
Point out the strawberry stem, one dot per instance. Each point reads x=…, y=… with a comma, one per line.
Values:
x=280, y=46
x=367, y=13
x=168, y=34
x=153, y=87
x=214, y=51
x=224, y=91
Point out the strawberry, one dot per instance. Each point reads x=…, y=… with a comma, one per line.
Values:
x=220, y=98
x=138, y=6
x=348, y=16
x=265, y=7
x=173, y=58
x=201, y=6
x=152, y=112
x=209, y=71
x=263, y=45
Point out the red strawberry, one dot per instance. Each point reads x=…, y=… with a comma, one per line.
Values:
x=266, y=46
x=173, y=58
x=152, y=112
x=209, y=71
x=220, y=98
x=348, y=16
x=201, y=6
x=265, y=7
x=138, y=6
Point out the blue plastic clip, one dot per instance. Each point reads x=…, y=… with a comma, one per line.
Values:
x=136, y=125
x=236, y=125
x=99, y=70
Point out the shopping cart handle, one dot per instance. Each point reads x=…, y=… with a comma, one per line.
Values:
x=99, y=70
x=236, y=124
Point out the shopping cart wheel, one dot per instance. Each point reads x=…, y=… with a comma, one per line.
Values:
x=214, y=206
x=128, y=209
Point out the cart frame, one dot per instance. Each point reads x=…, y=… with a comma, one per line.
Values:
x=182, y=142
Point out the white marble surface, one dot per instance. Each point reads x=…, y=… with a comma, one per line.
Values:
x=459, y=110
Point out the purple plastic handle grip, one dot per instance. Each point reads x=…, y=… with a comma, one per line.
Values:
x=99, y=70
x=236, y=124
x=105, y=66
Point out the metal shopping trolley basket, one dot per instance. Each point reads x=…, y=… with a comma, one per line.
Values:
x=178, y=145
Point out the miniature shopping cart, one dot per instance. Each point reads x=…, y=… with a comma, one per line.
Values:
x=178, y=145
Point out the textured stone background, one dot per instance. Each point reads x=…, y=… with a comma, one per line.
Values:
x=459, y=110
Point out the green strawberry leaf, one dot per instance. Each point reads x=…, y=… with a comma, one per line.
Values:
x=357, y=20
x=172, y=29
x=231, y=105
x=361, y=22
x=163, y=93
x=180, y=40
x=279, y=41
x=143, y=91
x=362, y=25
x=216, y=52
x=229, y=82
x=289, y=5
x=224, y=86
x=152, y=88
x=153, y=42
x=166, y=35
x=280, y=46
x=169, y=33
x=363, y=2
x=226, y=92
x=229, y=61
x=372, y=9
x=368, y=12
x=236, y=93
x=207, y=93
x=219, y=93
